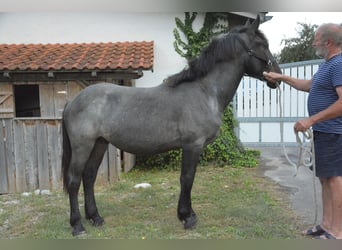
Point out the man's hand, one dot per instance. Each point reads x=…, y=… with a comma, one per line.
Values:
x=302, y=125
x=272, y=76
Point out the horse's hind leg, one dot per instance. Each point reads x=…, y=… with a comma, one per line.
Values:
x=89, y=177
x=79, y=158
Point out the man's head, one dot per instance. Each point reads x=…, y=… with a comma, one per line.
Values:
x=328, y=40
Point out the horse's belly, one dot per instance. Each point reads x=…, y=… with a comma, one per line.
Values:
x=145, y=148
x=143, y=142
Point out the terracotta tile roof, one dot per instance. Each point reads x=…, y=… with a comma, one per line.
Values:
x=77, y=57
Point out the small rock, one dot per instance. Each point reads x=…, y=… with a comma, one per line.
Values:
x=142, y=185
x=45, y=192
x=13, y=202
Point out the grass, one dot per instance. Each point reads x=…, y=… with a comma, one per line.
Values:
x=231, y=203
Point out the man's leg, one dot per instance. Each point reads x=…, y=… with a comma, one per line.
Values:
x=326, y=204
x=335, y=188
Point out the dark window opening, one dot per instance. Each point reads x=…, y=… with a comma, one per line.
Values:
x=26, y=98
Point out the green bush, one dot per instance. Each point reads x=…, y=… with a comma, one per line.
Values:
x=225, y=150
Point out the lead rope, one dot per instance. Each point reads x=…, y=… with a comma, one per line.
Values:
x=306, y=155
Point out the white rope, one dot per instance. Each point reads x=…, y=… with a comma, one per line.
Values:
x=306, y=155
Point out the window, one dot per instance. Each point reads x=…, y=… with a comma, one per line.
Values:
x=26, y=98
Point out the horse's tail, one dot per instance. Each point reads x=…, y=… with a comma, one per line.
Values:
x=66, y=156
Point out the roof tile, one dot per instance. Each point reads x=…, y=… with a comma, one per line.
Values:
x=77, y=57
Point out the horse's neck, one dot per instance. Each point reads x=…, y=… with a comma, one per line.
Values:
x=223, y=81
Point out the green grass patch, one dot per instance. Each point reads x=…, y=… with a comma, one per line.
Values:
x=231, y=203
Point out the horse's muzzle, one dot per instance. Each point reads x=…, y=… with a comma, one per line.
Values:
x=272, y=85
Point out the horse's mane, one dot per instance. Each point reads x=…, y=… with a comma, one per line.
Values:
x=219, y=50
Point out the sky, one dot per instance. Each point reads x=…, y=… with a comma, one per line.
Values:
x=285, y=25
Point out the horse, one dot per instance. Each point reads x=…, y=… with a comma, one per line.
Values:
x=183, y=112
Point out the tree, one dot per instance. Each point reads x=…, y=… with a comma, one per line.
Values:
x=299, y=48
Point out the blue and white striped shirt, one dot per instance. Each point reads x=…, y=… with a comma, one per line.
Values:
x=323, y=93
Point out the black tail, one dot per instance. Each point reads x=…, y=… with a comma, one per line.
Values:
x=66, y=157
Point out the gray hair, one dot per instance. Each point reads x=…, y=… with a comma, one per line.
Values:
x=331, y=31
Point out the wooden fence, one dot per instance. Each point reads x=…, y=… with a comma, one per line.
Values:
x=30, y=156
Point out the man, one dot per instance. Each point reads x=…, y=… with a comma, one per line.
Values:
x=325, y=117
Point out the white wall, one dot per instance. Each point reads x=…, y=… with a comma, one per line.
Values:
x=68, y=27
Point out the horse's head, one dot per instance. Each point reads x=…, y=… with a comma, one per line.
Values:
x=258, y=57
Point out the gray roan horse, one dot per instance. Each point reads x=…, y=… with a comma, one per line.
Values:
x=183, y=112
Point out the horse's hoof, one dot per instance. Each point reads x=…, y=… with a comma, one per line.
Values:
x=98, y=221
x=78, y=230
x=190, y=222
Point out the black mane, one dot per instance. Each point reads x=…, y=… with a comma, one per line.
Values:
x=219, y=50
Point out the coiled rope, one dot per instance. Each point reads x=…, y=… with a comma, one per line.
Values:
x=306, y=155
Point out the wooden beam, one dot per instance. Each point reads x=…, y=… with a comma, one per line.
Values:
x=69, y=76
x=4, y=96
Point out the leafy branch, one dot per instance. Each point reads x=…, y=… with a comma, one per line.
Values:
x=215, y=23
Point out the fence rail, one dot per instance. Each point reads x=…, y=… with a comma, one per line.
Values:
x=260, y=110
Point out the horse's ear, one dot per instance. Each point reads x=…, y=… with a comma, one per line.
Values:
x=248, y=22
x=255, y=24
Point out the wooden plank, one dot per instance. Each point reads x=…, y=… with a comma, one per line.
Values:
x=4, y=110
x=68, y=76
x=73, y=89
x=46, y=96
x=114, y=163
x=3, y=159
x=102, y=173
x=10, y=155
x=42, y=156
x=54, y=152
x=19, y=157
x=6, y=101
x=30, y=142
x=60, y=97
x=129, y=161
x=4, y=96
x=58, y=134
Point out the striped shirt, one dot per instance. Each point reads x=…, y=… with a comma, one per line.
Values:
x=323, y=93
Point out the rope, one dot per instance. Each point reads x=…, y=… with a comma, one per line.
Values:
x=306, y=155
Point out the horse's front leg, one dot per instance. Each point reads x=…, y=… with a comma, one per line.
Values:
x=186, y=214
